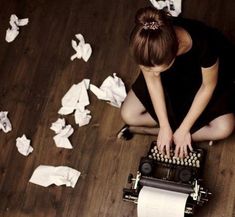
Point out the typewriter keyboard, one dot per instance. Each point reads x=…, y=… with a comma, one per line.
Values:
x=192, y=160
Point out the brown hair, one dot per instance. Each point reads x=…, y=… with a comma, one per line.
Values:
x=153, y=40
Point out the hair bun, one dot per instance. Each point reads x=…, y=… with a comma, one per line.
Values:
x=151, y=18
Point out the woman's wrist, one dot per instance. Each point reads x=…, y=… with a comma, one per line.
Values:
x=184, y=127
x=165, y=125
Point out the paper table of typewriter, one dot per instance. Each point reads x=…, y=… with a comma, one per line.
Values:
x=167, y=186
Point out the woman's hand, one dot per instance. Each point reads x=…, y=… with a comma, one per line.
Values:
x=182, y=140
x=164, y=140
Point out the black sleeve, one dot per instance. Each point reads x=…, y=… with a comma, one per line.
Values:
x=204, y=40
x=207, y=49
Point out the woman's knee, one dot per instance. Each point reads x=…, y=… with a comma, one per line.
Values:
x=127, y=115
x=131, y=108
x=124, y=113
x=224, y=127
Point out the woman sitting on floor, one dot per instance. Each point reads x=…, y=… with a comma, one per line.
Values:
x=185, y=89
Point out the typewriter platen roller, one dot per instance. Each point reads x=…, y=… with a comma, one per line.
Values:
x=172, y=174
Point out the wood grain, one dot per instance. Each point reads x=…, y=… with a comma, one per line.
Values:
x=36, y=72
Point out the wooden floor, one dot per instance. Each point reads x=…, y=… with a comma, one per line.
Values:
x=35, y=73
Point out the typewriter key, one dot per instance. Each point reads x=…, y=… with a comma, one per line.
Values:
x=198, y=163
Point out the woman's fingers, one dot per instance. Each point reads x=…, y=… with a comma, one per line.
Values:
x=158, y=145
x=181, y=155
x=177, y=151
x=168, y=150
x=190, y=147
x=185, y=150
x=164, y=148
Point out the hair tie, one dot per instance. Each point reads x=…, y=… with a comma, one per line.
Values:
x=151, y=25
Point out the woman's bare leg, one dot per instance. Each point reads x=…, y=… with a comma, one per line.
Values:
x=144, y=130
x=219, y=128
x=134, y=114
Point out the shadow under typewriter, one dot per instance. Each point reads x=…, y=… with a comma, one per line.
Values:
x=172, y=174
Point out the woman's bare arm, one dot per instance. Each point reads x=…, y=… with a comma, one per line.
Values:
x=155, y=89
x=203, y=96
x=182, y=137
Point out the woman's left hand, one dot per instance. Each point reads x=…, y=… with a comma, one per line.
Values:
x=182, y=140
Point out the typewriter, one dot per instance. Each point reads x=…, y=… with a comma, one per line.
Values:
x=173, y=174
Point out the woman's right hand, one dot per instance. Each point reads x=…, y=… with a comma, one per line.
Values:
x=164, y=140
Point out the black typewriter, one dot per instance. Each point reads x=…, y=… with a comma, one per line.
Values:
x=170, y=173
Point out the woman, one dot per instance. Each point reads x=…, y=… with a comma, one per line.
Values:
x=185, y=89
